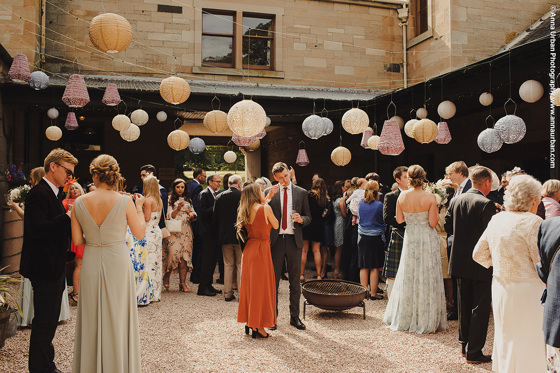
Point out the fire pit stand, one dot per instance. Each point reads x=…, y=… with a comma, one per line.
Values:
x=334, y=295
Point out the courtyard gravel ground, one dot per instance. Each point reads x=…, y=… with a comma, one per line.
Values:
x=189, y=333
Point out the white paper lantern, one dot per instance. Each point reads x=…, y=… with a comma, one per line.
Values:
x=121, y=122
x=486, y=99
x=341, y=156
x=313, y=127
x=246, y=118
x=425, y=131
x=446, y=109
x=268, y=121
x=52, y=113
x=174, y=90
x=39, y=80
x=373, y=142
x=215, y=121
x=355, y=121
x=409, y=127
x=253, y=146
x=329, y=126
x=489, y=141
x=53, y=133
x=139, y=117
x=230, y=156
x=178, y=140
x=161, y=116
x=511, y=129
x=399, y=120
x=555, y=97
x=131, y=134
x=531, y=91
x=197, y=145
x=421, y=113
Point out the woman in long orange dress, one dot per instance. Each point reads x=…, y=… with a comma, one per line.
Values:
x=257, y=293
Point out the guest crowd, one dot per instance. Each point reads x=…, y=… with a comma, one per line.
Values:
x=459, y=248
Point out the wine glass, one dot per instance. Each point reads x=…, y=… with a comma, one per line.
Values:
x=9, y=201
x=291, y=217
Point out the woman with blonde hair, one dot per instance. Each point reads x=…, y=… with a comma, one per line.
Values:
x=551, y=198
x=257, y=293
x=73, y=190
x=107, y=336
x=509, y=245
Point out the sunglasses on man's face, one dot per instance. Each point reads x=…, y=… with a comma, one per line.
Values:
x=68, y=171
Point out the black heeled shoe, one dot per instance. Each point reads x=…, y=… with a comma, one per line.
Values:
x=256, y=334
x=247, y=329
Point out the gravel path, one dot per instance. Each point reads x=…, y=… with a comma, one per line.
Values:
x=188, y=333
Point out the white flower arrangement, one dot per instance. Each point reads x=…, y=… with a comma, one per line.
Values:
x=18, y=194
x=438, y=189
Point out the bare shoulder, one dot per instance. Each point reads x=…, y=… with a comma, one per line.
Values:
x=267, y=208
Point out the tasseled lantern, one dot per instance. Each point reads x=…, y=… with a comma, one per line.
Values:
x=390, y=142
x=19, y=71
x=242, y=141
x=365, y=137
x=230, y=156
x=39, y=80
x=355, y=121
x=246, y=118
x=131, y=134
x=178, y=140
x=215, y=121
x=111, y=96
x=75, y=93
x=489, y=141
x=313, y=127
x=197, y=145
x=71, y=122
x=302, y=159
x=341, y=156
x=511, y=129
x=443, y=135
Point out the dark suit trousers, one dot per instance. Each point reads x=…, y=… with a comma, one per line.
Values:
x=285, y=247
x=209, y=259
x=47, y=299
x=475, y=299
x=196, y=256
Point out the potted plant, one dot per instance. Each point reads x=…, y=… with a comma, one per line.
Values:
x=8, y=300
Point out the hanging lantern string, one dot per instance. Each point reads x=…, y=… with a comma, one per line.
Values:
x=509, y=74
x=514, y=107
x=302, y=144
x=326, y=113
x=490, y=88
x=424, y=94
x=125, y=107
x=212, y=102
x=313, y=107
x=175, y=122
x=374, y=119
x=389, y=106
x=493, y=121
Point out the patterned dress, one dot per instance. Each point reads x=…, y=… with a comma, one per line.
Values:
x=338, y=224
x=179, y=245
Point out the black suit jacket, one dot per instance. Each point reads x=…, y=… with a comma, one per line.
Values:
x=205, y=213
x=194, y=190
x=225, y=215
x=466, y=219
x=164, y=201
x=390, y=210
x=46, y=235
x=549, y=272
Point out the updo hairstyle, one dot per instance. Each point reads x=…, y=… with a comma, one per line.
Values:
x=416, y=176
x=107, y=168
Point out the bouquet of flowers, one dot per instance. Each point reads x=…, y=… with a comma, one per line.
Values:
x=18, y=194
x=438, y=189
x=14, y=175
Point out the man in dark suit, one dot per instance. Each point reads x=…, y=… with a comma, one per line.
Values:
x=291, y=207
x=207, y=231
x=46, y=239
x=195, y=187
x=458, y=173
x=225, y=217
x=149, y=170
x=394, y=249
x=497, y=196
x=467, y=218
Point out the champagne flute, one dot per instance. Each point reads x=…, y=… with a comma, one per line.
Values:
x=9, y=201
x=292, y=218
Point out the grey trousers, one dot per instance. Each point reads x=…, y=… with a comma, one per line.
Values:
x=286, y=247
x=232, y=258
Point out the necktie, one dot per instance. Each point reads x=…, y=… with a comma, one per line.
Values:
x=285, y=210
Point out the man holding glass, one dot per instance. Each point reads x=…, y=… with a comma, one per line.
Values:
x=291, y=207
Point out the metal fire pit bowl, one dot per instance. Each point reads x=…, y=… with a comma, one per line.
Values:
x=334, y=295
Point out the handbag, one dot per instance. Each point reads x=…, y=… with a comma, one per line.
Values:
x=173, y=225
x=165, y=233
x=242, y=237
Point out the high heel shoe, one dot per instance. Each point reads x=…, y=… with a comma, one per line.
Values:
x=183, y=288
x=247, y=329
x=256, y=334
x=166, y=281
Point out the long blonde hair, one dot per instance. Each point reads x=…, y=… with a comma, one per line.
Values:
x=36, y=175
x=78, y=186
x=250, y=195
x=151, y=189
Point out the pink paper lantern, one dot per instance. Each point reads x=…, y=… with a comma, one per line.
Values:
x=19, y=71
x=242, y=141
x=111, y=96
x=368, y=132
x=76, y=94
x=302, y=159
x=71, y=122
x=443, y=134
x=391, y=142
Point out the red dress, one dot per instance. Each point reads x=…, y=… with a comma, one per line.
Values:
x=257, y=293
x=79, y=250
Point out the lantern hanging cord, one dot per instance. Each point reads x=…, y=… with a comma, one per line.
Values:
x=509, y=73
x=490, y=87
x=219, y=102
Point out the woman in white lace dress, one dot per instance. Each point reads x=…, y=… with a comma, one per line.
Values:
x=417, y=302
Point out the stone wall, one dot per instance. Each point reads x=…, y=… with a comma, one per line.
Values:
x=20, y=24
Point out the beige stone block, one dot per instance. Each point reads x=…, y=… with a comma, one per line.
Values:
x=300, y=46
x=458, y=37
x=302, y=26
x=375, y=52
x=354, y=30
x=344, y=70
x=150, y=26
x=160, y=36
x=459, y=13
x=341, y=8
x=335, y=30
x=332, y=45
x=314, y=62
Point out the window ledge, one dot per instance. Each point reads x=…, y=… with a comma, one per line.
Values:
x=420, y=38
x=237, y=72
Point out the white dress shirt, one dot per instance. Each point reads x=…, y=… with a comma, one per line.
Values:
x=462, y=186
x=290, y=225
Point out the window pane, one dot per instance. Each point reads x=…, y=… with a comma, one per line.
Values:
x=217, y=49
x=257, y=26
x=217, y=23
x=257, y=51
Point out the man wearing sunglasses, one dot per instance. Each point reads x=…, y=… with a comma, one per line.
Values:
x=46, y=239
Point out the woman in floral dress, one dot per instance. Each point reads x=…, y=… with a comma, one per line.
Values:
x=177, y=248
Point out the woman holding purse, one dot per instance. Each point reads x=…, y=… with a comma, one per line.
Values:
x=178, y=247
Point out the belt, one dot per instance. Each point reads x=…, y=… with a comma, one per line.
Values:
x=285, y=235
x=105, y=244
